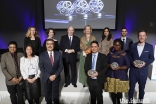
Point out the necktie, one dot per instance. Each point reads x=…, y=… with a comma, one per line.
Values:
x=70, y=40
x=124, y=41
x=16, y=64
x=93, y=62
x=51, y=59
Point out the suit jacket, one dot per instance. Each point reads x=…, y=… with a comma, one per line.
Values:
x=37, y=44
x=24, y=66
x=147, y=56
x=46, y=67
x=101, y=67
x=8, y=67
x=65, y=44
x=128, y=44
x=56, y=46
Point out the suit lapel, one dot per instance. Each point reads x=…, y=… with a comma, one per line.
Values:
x=11, y=59
x=68, y=41
x=143, y=50
x=72, y=41
x=136, y=49
x=54, y=57
x=97, y=61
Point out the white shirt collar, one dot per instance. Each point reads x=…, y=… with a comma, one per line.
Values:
x=95, y=53
x=50, y=52
x=123, y=38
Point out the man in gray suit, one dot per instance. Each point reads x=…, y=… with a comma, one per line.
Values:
x=127, y=41
x=10, y=68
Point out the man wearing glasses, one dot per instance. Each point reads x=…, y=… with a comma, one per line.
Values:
x=10, y=68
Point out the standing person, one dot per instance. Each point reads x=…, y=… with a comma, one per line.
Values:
x=33, y=39
x=96, y=62
x=117, y=78
x=106, y=42
x=10, y=62
x=70, y=45
x=127, y=41
x=50, y=63
x=138, y=73
x=85, y=49
x=30, y=71
x=51, y=33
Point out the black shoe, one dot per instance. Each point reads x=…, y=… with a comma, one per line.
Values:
x=84, y=86
x=74, y=85
x=66, y=85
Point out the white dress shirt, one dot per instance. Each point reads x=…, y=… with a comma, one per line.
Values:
x=52, y=54
x=31, y=67
x=71, y=37
x=123, y=38
x=140, y=49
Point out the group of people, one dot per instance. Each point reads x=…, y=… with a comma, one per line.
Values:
x=97, y=70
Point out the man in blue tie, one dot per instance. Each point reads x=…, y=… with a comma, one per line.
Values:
x=70, y=45
x=95, y=68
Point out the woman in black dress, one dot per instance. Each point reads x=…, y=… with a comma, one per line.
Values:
x=33, y=39
x=51, y=33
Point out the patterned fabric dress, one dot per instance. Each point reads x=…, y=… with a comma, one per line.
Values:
x=84, y=45
x=117, y=80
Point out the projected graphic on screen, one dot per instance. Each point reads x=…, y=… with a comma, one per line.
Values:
x=60, y=14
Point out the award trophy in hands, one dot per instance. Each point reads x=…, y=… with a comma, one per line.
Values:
x=114, y=65
x=91, y=71
x=138, y=63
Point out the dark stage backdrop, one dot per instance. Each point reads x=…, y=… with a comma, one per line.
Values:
x=17, y=15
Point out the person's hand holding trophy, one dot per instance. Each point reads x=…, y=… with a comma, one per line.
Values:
x=139, y=63
x=92, y=73
x=115, y=66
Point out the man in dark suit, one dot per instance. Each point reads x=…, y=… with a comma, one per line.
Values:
x=127, y=41
x=10, y=65
x=70, y=45
x=50, y=63
x=96, y=62
x=138, y=73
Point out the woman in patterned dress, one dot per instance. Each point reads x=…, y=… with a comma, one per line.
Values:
x=117, y=78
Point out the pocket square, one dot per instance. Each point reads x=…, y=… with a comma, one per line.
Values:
x=146, y=51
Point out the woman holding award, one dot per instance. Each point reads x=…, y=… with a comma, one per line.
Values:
x=106, y=42
x=117, y=78
x=85, y=49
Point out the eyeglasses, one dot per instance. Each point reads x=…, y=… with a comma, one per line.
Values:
x=124, y=31
x=12, y=47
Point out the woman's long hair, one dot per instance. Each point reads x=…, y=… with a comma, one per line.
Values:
x=28, y=34
x=109, y=35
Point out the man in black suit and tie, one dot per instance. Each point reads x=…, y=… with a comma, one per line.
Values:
x=95, y=67
x=70, y=45
x=50, y=63
x=127, y=41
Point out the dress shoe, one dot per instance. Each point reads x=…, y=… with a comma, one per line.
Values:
x=74, y=85
x=66, y=85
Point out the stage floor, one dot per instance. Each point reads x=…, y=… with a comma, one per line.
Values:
x=79, y=95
